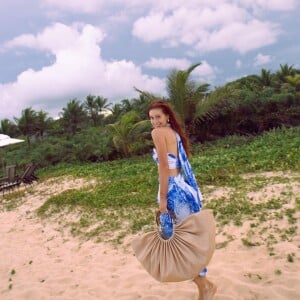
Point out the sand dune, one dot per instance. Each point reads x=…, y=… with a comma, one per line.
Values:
x=39, y=260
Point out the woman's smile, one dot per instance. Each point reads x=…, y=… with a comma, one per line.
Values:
x=158, y=118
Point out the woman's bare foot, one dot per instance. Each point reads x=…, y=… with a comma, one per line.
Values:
x=206, y=288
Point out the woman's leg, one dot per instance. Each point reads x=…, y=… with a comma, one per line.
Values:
x=182, y=202
x=206, y=288
x=203, y=273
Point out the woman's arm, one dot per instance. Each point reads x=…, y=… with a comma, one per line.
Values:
x=159, y=139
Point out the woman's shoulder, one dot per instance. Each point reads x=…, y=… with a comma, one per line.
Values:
x=162, y=131
x=164, y=134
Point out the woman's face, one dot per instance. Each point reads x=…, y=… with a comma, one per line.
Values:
x=158, y=118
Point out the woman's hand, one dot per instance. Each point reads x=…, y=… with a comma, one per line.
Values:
x=163, y=205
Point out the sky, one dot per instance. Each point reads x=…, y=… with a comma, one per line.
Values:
x=52, y=51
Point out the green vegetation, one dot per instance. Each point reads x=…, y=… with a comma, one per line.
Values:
x=95, y=130
x=119, y=196
x=12, y=200
x=125, y=190
x=291, y=257
x=246, y=127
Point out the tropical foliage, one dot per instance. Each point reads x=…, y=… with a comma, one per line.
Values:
x=129, y=134
x=97, y=130
x=250, y=105
x=73, y=117
x=94, y=107
x=185, y=94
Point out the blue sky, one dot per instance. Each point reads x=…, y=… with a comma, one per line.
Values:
x=52, y=51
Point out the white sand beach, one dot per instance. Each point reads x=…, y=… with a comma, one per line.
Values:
x=40, y=259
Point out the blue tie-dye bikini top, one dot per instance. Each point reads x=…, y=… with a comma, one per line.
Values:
x=173, y=161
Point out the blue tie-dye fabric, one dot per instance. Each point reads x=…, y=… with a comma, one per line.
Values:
x=187, y=170
x=184, y=197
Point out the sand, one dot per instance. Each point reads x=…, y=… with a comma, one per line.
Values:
x=40, y=260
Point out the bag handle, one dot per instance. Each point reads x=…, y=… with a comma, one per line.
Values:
x=170, y=212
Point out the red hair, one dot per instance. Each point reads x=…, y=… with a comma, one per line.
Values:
x=173, y=121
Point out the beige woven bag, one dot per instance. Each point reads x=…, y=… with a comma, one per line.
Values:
x=184, y=255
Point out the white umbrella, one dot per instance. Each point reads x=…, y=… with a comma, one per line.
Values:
x=6, y=140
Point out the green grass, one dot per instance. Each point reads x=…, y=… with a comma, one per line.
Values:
x=125, y=190
x=11, y=200
x=217, y=163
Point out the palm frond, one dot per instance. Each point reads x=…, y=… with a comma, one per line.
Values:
x=148, y=95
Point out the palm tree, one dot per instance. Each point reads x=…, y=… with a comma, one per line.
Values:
x=91, y=108
x=126, y=105
x=294, y=81
x=42, y=123
x=140, y=105
x=128, y=131
x=73, y=116
x=102, y=106
x=286, y=70
x=8, y=127
x=265, y=77
x=184, y=94
x=27, y=123
x=95, y=106
x=116, y=112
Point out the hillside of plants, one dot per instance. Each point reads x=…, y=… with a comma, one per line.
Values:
x=120, y=195
x=95, y=130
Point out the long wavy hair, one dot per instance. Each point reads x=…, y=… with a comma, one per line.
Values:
x=173, y=121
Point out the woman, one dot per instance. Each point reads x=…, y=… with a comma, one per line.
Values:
x=178, y=190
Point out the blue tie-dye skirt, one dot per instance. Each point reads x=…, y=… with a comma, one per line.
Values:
x=182, y=200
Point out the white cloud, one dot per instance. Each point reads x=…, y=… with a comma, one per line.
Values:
x=92, y=5
x=86, y=6
x=205, y=72
x=95, y=6
x=78, y=70
x=59, y=37
x=278, y=5
x=187, y=24
x=205, y=25
x=224, y=26
x=154, y=27
x=241, y=37
x=261, y=59
x=167, y=63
